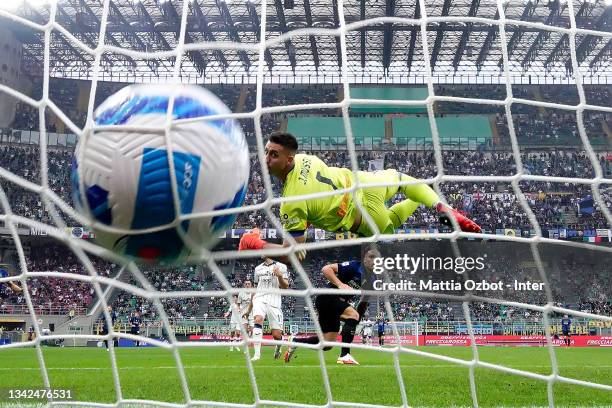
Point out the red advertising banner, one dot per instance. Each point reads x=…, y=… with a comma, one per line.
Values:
x=462, y=340
x=500, y=340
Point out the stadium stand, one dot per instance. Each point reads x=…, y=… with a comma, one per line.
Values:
x=467, y=126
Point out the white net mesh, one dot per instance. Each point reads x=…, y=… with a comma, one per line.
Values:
x=146, y=290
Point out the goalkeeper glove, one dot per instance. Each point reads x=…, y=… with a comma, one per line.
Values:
x=464, y=222
x=251, y=240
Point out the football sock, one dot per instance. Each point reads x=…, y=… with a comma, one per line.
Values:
x=257, y=336
x=348, y=333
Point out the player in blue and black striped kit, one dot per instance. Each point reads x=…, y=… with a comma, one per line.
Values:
x=105, y=329
x=566, y=325
x=135, y=323
x=381, y=323
x=334, y=308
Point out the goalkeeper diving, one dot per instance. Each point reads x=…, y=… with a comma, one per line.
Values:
x=303, y=174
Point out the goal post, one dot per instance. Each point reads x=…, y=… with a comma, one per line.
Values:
x=408, y=333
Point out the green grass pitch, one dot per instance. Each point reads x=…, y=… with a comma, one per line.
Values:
x=216, y=374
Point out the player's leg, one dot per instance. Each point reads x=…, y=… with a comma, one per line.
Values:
x=135, y=332
x=373, y=200
x=415, y=194
x=327, y=336
x=276, y=321
x=245, y=327
x=351, y=319
x=277, y=334
x=231, y=335
x=329, y=309
x=259, y=313
x=247, y=324
x=237, y=337
x=424, y=194
x=104, y=332
x=387, y=220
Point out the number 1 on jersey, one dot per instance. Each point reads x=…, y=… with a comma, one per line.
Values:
x=325, y=180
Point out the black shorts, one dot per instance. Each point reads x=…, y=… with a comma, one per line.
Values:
x=566, y=332
x=330, y=308
x=134, y=330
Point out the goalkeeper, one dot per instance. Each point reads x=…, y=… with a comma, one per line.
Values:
x=303, y=174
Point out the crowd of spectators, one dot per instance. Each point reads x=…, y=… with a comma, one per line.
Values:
x=55, y=295
x=553, y=127
x=587, y=291
x=533, y=124
x=560, y=94
x=24, y=161
x=552, y=203
x=163, y=280
x=493, y=205
x=576, y=285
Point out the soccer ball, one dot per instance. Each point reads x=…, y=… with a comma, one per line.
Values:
x=122, y=178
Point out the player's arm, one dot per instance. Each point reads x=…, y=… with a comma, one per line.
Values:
x=283, y=282
x=330, y=271
x=251, y=240
x=14, y=287
x=294, y=220
x=249, y=308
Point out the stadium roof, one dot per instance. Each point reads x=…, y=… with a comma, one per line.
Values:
x=460, y=42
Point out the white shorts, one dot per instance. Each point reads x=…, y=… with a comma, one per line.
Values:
x=367, y=332
x=273, y=314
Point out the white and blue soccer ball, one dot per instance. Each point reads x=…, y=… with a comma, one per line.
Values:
x=122, y=178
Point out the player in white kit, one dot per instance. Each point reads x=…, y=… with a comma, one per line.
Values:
x=366, y=337
x=235, y=322
x=268, y=275
x=244, y=301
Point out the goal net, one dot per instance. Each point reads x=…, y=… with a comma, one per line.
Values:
x=412, y=306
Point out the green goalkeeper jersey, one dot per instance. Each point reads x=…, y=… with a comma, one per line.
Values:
x=311, y=175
